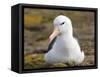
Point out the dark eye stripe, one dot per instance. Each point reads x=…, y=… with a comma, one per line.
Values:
x=62, y=23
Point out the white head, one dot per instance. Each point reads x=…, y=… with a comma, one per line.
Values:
x=62, y=25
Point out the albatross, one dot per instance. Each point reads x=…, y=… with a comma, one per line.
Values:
x=64, y=48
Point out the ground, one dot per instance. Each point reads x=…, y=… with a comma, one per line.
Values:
x=38, y=26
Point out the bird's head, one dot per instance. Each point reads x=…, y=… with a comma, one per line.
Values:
x=62, y=25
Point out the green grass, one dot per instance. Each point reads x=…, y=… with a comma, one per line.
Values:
x=36, y=61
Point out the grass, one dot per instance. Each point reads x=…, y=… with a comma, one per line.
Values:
x=36, y=61
x=30, y=20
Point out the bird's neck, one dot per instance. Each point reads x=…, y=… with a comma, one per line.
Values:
x=69, y=32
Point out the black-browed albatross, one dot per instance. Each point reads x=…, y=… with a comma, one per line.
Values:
x=63, y=48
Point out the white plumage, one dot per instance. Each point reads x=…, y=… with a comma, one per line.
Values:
x=66, y=48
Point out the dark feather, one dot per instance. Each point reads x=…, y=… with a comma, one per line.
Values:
x=51, y=44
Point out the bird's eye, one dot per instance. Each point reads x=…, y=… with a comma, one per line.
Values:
x=62, y=23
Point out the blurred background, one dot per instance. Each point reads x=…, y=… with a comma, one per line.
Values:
x=38, y=25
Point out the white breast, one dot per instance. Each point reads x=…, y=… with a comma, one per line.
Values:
x=65, y=50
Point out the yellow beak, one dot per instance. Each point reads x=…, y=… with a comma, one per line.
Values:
x=55, y=33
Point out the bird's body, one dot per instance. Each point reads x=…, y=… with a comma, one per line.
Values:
x=65, y=48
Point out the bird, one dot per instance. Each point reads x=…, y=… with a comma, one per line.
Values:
x=63, y=46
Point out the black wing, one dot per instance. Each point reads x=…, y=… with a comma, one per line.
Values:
x=51, y=44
